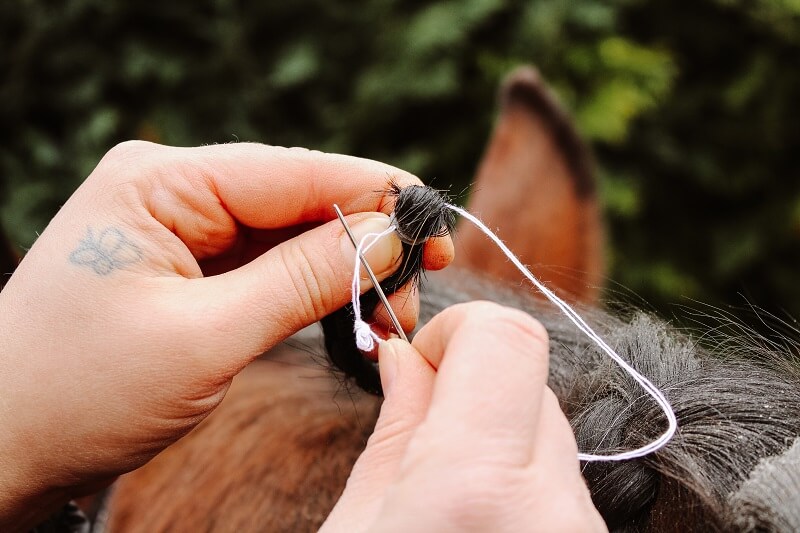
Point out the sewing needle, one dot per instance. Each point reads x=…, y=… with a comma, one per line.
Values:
x=371, y=275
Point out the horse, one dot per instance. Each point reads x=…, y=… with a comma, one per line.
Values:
x=276, y=454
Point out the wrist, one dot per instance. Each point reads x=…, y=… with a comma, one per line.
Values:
x=25, y=496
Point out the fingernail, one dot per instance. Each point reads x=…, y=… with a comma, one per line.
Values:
x=384, y=255
x=388, y=365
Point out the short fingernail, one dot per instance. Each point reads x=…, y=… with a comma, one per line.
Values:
x=388, y=365
x=384, y=255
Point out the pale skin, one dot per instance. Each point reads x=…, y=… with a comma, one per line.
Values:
x=170, y=269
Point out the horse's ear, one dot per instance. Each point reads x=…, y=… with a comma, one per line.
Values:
x=536, y=186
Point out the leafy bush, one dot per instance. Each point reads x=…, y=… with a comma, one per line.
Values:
x=692, y=108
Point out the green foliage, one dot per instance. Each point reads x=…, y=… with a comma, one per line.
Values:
x=692, y=107
x=630, y=80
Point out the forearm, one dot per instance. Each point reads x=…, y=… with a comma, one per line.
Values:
x=25, y=497
x=23, y=504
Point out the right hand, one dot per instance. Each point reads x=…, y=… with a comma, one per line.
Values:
x=470, y=437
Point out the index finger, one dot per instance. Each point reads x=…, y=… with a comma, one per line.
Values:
x=270, y=186
x=492, y=371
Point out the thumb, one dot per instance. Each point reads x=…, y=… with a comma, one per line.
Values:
x=246, y=311
x=407, y=380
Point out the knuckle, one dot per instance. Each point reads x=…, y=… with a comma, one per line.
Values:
x=519, y=324
x=388, y=434
x=118, y=162
x=127, y=150
x=512, y=324
x=470, y=313
x=300, y=150
x=308, y=277
x=483, y=497
x=513, y=330
x=312, y=158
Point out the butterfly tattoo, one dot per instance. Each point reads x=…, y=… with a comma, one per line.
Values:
x=105, y=252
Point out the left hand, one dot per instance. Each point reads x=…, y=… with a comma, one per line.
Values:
x=116, y=338
x=469, y=437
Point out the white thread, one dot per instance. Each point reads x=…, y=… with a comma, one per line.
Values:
x=576, y=319
x=365, y=337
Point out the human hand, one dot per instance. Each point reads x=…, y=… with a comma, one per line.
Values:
x=116, y=340
x=469, y=438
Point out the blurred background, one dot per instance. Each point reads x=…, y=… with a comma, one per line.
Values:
x=692, y=108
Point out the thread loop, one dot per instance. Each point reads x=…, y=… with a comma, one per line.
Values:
x=575, y=318
x=366, y=338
